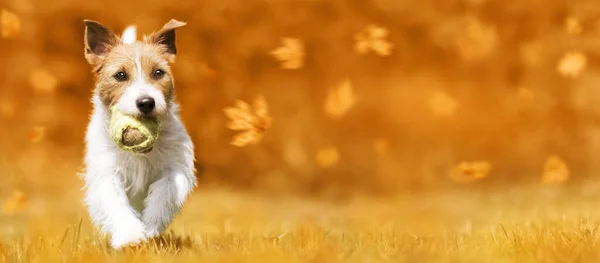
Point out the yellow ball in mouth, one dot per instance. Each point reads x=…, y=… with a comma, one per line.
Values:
x=132, y=134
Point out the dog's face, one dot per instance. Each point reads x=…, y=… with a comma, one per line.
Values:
x=134, y=76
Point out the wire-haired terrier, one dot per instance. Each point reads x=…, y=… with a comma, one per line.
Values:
x=134, y=196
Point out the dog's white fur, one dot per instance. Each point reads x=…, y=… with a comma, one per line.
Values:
x=135, y=196
x=129, y=35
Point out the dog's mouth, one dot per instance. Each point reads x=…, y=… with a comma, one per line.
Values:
x=132, y=134
x=147, y=151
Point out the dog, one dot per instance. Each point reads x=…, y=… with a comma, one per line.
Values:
x=131, y=196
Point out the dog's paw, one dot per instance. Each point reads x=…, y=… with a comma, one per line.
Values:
x=154, y=226
x=128, y=235
x=152, y=233
x=154, y=230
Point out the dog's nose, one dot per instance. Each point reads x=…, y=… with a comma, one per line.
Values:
x=145, y=104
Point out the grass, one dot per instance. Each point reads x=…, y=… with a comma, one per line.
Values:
x=518, y=225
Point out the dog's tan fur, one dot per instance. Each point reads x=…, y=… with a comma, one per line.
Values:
x=108, y=56
x=123, y=58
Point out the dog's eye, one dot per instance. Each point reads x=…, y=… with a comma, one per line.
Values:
x=121, y=76
x=157, y=74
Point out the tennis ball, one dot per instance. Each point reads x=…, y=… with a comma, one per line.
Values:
x=133, y=134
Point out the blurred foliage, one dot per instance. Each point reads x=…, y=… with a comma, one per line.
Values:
x=372, y=96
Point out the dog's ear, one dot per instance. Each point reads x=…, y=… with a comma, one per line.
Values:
x=98, y=41
x=166, y=36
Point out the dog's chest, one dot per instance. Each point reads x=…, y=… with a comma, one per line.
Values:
x=137, y=174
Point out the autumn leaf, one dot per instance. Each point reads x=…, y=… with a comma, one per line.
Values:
x=477, y=40
x=327, y=157
x=10, y=24
x=531, y=53
x=555, y=171
x=525, y=95
x=373, y=38
x=206, y=71
x=290, y=54
x=294, y=152
x=43, y=81
x=381, y=146
x=37, y=134
x=470, y=171
x=442, y=104
x=252, y=121
x=246, y=137
x=261, y=110
x=15, y=203
x=340, y=100
x=8, y=108
x=572, y=64
x=573, y=26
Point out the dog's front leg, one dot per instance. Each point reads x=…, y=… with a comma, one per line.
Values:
x=109, y=207
x=165, y=199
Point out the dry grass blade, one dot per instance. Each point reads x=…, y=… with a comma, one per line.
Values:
x=76, y=235
x=64, y=237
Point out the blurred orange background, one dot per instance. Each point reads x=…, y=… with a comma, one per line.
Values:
x=366, y=96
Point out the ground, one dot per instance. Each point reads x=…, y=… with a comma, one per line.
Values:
x=533, y=224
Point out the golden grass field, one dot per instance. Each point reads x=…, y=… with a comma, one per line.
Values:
x=536, y=224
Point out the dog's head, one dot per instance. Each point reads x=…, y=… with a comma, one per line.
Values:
x=135, y=76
